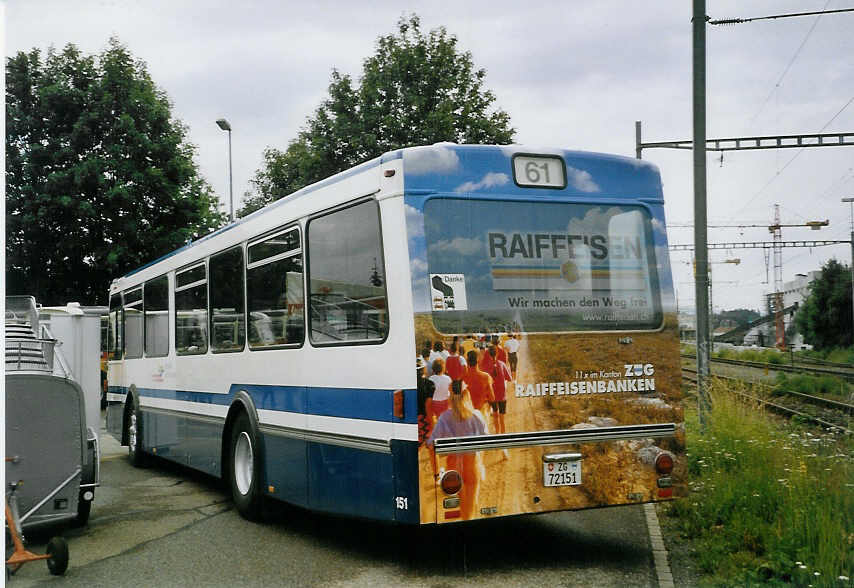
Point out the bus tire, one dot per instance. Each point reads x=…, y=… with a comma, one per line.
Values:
x=245, y=468
x=133, y=422
x=84, y=509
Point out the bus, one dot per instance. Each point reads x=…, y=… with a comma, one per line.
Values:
x=305, y=353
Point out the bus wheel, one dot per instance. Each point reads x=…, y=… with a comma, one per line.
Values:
x=245, y=469
x=136, y=456
x=84, y=509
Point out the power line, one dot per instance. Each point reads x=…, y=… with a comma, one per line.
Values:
x=732, y=226
x=788, y=163
x=838, y=182
x=786, y=70
x=759, y=244
x=732, y=21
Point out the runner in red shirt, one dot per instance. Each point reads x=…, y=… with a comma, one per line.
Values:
x=455, y=366
x=500, y=375
x=502, y=353
x=479, y=384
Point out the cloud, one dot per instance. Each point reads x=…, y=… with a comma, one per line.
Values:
x=430, y=159
x=581, y=180
x=490, y=180
x=457, y=246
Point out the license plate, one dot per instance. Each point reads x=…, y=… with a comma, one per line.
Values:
x=562, y=473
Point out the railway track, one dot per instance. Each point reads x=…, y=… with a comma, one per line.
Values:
x=838, y=370
x=826, y=403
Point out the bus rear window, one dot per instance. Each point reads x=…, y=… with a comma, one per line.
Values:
x=540, y=267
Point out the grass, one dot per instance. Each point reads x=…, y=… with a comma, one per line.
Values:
x=767, y=355
x=836, y=355
x=766, y=502
x=761, y=355
x=815, y=385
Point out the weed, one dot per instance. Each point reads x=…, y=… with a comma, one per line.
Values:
x=767, y=503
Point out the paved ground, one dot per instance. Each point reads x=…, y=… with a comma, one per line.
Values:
x=166, y=526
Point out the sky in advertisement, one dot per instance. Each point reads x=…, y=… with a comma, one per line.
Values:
x=570, y=74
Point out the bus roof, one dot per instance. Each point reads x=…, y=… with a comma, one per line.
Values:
x=450, y=168
x=489, y=169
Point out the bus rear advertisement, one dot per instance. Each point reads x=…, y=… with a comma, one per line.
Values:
x=442, y=334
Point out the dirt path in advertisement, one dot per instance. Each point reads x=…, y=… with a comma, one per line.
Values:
x=511, y=479
x=505, y=477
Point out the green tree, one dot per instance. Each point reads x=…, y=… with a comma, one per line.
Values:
x=738, y=317
x=99, y=177
x=824, y=318
x=417, y=89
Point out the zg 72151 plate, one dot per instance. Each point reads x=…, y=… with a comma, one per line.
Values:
x=562, y=469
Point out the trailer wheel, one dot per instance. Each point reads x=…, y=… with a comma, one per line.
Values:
x=245, y=469
x=57, y=549
x=136, y=456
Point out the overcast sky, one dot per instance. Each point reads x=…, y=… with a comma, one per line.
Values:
x=570, y=74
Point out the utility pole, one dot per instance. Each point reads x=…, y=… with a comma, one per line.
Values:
x=701, y=252
x=851, y=201
x=779, y=330
x=700, y=144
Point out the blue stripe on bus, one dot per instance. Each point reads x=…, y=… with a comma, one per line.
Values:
x=354, y=403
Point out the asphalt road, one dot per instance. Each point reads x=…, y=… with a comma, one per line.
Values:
x=168, y=526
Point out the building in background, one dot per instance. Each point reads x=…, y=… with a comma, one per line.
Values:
x=795, y=292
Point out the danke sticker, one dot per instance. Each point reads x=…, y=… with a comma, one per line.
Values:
x=448, y=292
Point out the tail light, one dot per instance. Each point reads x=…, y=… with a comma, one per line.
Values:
x=664, y=463
x=451, y=482
x=397, y=404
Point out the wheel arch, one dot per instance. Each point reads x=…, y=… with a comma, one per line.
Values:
x=242, y=404
x=131, y=400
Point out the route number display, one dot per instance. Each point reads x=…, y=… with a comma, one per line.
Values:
x=539, y=171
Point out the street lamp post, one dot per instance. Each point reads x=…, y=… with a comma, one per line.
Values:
x=223, y=124
x=851, y=201
x=735, y=261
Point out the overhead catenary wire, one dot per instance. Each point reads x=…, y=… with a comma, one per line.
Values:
x=788, y=163
x=732, y=21
x=789, y=65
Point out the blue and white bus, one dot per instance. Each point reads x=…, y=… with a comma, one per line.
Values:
x=443, y=333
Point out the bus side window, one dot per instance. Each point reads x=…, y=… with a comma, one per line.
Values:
x=348, y=295
x=114, y=342
x=274, y=290
x=133, y=323
x=228, y=317
x=191, y=311
x=156, y=308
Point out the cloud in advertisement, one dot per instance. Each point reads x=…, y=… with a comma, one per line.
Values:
x=457, y=246
x=414, y=221
x=596, y=220
x=581, y=180
x=490, y=180
x=434, y=159
x=418, y=266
